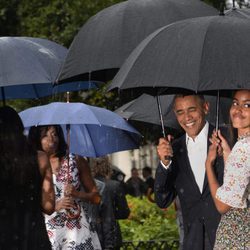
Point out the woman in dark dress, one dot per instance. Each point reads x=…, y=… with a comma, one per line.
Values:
x=26, y=188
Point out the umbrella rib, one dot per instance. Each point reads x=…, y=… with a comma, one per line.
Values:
x=132, y=137
x=203, y=45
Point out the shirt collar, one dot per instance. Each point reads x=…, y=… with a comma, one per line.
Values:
x=201, y=136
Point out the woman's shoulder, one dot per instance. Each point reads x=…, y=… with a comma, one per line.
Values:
x=43, y=161
x=243, y=145
x=79, y=158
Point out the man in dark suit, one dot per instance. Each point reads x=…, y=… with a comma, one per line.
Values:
x=181, y=172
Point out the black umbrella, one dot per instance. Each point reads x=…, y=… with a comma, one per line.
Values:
x=106, y=40
x=145, y=109
x=241, y=13
x=117, y=173
x=199, y=54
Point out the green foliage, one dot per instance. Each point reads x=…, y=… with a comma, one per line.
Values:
x=148, y=222
x=9, y=21
x=57, y=20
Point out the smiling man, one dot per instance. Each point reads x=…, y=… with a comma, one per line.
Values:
x=181, y=172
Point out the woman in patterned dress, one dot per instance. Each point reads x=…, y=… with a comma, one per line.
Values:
x=232, y=198
x=68, y=227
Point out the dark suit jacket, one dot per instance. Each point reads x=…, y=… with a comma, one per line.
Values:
x=198, y=209
x=113, y=207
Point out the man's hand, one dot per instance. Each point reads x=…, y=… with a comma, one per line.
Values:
x=164, y=150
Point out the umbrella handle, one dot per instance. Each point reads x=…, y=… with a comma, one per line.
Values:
x=73, y=214
x=161, y=116
x=217, y=110
x=68, y=144
x=162, y=122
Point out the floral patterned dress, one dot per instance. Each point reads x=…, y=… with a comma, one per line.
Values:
x=65, y=232
x=234, y=228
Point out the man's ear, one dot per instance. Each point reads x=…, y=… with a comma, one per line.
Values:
x=206, y=106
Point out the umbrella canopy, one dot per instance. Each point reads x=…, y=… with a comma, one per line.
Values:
x=145, y=109
x=117, y=173
x=199, y=54
x=94, y=131
x=29, y=67
x=106, y=40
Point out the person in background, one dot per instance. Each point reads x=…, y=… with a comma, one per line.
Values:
x=149, y=181
x=114, y=205
x=181, y=172
x=232, y=199
x=135, y=186
x=96, y=212
x=118, y=175
x=26, y=188
x=68, y=227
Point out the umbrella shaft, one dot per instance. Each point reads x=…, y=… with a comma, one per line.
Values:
x=161, y=117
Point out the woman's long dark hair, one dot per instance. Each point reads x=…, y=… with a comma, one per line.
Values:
x=36, y=133
x=18, y=162
x=233, y=134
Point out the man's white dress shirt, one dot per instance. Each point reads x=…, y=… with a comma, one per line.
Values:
x=197, y=154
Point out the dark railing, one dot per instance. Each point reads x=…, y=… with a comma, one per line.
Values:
x=150, y=245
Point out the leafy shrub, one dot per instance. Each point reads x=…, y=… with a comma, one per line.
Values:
x=148, y=222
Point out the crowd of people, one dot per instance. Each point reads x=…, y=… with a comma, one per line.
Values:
x=52, y=199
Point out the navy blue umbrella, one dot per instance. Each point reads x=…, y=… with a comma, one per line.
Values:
x=29, y=67
x=93, y=131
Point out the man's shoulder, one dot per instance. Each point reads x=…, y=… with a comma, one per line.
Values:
x=113, y=183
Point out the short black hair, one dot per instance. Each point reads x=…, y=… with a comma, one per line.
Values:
x=147, y=169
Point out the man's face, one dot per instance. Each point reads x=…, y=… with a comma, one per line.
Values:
x=190, y=112
x=134, y=173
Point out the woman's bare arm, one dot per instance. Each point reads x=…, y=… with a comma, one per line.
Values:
x=212, y=180
x=48, y=193
x=88, y=182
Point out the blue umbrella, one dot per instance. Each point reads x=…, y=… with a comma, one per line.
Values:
x=93, y=131
x=29, y=67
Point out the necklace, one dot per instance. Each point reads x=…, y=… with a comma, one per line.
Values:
x=243, y=136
